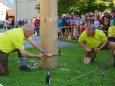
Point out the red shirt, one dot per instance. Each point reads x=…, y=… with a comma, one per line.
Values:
x=37, y=23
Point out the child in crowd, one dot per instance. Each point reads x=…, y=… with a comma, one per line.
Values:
x=60, y=35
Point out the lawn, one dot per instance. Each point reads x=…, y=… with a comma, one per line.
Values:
x=71, y=71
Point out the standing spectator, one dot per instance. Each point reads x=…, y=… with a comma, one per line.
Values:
x=37, y=25
x=82, y=26
x=105, y=16
x=66, y=25
x=20, y=23
x=16, y=24
x=12, y=23
x=25, y=21
x=113, y=14
x=60, y=35
x=96, y=22
x=32, y=20
x=106, y=25
x=77, y=23
x=88, y=22
x=72, y=26
x=101, y=27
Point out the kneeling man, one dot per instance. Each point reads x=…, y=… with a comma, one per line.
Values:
x=94, y=40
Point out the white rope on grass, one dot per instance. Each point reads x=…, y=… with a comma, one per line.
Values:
x=82, y=75
x=33, y=64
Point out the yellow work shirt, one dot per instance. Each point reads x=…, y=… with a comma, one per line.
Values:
x=12, y=39
x=95, y=41
x=111, y=31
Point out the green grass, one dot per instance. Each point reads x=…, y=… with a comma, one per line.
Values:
x=71, y=59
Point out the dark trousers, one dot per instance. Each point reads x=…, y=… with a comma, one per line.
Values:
x=111, y=39
x=37, y=30
x=3, y=63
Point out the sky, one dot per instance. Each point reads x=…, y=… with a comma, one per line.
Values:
x=10, y=3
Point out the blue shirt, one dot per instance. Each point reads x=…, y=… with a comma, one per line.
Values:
x=59, y=23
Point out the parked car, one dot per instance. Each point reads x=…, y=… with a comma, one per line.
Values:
x=4, y=23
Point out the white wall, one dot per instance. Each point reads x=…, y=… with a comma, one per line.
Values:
x=2, y=14
x=3, y=11
x=25, y=9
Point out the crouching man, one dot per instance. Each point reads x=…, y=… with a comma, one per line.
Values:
x=94, y=40
x=12, y=40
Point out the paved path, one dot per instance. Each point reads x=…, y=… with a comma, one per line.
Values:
x=37, y=39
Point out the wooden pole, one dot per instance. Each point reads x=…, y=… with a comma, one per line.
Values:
x=48, y=34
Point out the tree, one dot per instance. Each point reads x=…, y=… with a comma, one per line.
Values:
x=38, y=7
x=81, y=6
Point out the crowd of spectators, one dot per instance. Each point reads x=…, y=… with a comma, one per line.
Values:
x=70, y=26
x=20, y=23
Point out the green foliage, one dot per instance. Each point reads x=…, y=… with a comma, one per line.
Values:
x=82, y=6
x=38, y=7
x=70, y=66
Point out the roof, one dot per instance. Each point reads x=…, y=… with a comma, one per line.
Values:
x=4, y=3
x=10, y=12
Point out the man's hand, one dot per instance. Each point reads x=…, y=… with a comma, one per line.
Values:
x=46, y=53
x=97, y=49
x=88, y=49
x=40, y=56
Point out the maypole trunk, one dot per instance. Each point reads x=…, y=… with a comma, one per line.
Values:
x=49, y=32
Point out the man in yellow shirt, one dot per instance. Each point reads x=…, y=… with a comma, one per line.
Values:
x=12, y=40
x=111, y=31
x=93, y=40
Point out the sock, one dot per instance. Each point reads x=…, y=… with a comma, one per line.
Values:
x=22, y=61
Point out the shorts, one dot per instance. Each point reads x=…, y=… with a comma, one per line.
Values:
x=59, y=29
x=63, y=30
x=3, y=63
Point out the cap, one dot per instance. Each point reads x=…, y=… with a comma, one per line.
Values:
x=112, y=21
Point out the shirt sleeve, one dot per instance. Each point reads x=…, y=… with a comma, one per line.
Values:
x=28, y=39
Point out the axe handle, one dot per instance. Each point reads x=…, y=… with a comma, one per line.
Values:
x=110, y=57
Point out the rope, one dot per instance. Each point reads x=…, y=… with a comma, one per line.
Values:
x=32, y=64
x=110, y=57
x=82, y=75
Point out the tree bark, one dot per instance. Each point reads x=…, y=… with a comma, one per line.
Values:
x=49, y=32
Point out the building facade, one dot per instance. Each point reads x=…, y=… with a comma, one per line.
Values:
x=25, y=9
x=6, y=13
x=3, y=9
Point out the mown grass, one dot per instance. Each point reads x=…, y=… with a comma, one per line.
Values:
x=70, y=66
